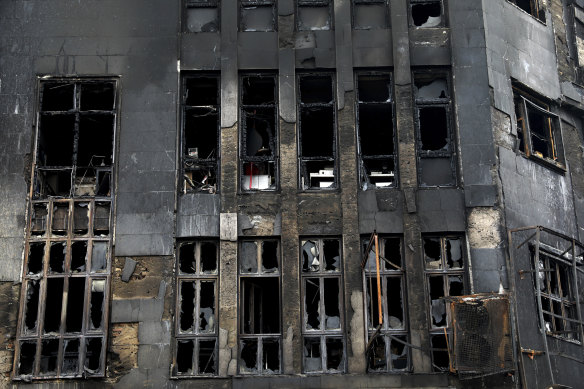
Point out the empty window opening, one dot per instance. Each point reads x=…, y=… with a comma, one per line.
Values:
x=27, y=358
x=70, y=356
x=259, y=142
x=57, y=257
x=440, y=353
x=49, y=351
x=257, y=15
x=32, y=306
x=427, y=14
x=36, y=253
x=261, y=305
x=317, y=132
x=322, y=305
x=197, y=302
x=370, y=14
x=314, y=15
x=538, y=129
x=384, y=290
x=96, y=305
x=75, y=297
x=78, y=256
x=200, y=133
x=202, y=16
x=535, y=8
x=53, y=304
x=436, y=162
x=376, y=136
x=93, y=358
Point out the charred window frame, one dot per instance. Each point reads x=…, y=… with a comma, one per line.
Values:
x=535, y=8
x=317, y=135
x=445, y=268
x=260, y=328
x=370, y=14
x=201, y=121
x=376, y=130
x=538, y=130
x=314, y=15
x=322, y=315
x=202, y=16
x=197, y=305
x=385, y=299
x=427, y=13
x=558, y=292
x=435, y=128
x=259, y=154
x=62, y=328
x=257, y=15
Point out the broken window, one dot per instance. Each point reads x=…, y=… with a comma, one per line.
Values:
x=433, y=119
x=377, y=146
x=259, y=307
x=385, y=302
x=444, y=268
x=257, y=15
x=200, y=137
x=196, y=351
x=313, y=15
x=558, y=293
x=259, y=132
x=317, y=132
x=202, y=16
x=538, y=129
x=67, y=264
x=370, y=14
x=322, y=317
x=76, y=127
x=535, y=8
x=427, y=13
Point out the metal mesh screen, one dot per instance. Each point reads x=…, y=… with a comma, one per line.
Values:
x=482, y=337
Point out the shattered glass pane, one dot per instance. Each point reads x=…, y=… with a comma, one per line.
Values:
x=209, y=257
x=248, y=259
x=49, y=353
x=269, y=256
x=334, y=354
x=93, y=355
x=310, y=256
x=427, y=14
x=184, y=356
x=70, y=356
x=456, y=287
x=312, y=355
x=271, y=356
x=399, y=354
x=207, y=357
x=187, y=306
x=454, y=253
x=187, y=263
x=96, y=304
x=376, y=355
x=248, y=362
x=312, y=303
x=428, y=89
x=438, y=310
x=207, y=307
x=332, y=255
x=331, y=303
x=432, y=253
x=78, y=256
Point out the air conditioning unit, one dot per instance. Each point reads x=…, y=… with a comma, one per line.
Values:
x=482, y=335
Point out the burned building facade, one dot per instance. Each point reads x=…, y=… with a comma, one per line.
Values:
x=310, y=193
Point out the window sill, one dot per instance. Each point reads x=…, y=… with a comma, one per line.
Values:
x=548, y=163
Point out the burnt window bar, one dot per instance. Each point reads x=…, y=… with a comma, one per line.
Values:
x=260, y=329
x=314, y=15
x=375, y=125
x=202, y=16
x=259, y=133
x=444, y=268
x=196, y=326
x=200, y=133
x=435, y=129
x=258, y=15
x=384, y=294
x=427, y=13
x=322, y=317
x=370, y=14
x=317, y=132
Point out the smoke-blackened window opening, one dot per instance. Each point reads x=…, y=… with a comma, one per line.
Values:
x=427, y=13
x=259, y=257
x=375, y=125
x=370, y=14
x=78, y=256
x=323, y=354
x=200, y=133
x=538, y=130
x=258, y=15
x=202, y=16
x=440, y=353
x=314, y=15
x=39, y=219
x=535, y=8
x=259, y=133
